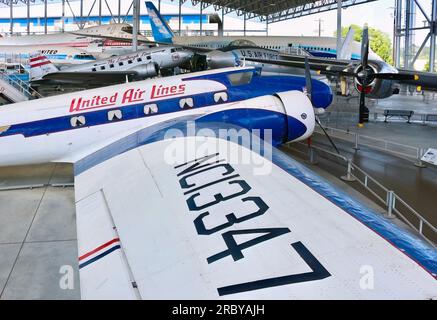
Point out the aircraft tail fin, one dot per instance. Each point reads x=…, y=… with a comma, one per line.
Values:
x=160, y=28
x=346, y=47
x=40, y=65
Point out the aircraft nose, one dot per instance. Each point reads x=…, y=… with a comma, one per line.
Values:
x=300, y=114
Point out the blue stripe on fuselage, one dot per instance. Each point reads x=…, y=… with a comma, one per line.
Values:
x=259, y=86
x=250, y=119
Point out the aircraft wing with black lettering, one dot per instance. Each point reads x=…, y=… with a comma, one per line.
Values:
x=207, y=218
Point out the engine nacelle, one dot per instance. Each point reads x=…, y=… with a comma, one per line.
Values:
x=285, y=116
x=147, y=70
x=219, y=59
x=377, y=88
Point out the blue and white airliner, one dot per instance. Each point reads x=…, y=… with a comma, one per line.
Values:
x=61, y=56
x=323, y=47
x=167, y=208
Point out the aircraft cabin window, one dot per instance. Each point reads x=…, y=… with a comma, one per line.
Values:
x=114, y=115
x=186, y=103
x=220, y=97
x=172, y=50
x=77, y=121
x=150, y=108
x=240, y=78
x=120, y=63
x=111, y=65
x=93, y=69
x=139, y=59
x=149, y=57
x=102, y=68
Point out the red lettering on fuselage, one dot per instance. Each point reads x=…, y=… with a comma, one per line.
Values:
x=129, y=96
x=133, y=95
x=79, y=104
x=163, y=91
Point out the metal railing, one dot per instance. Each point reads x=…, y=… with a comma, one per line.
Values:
x=375, y=115
x=395, y=205
x=400, y=150
x=20, y=85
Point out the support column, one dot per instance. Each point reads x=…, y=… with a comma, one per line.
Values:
x=11, y=17
x=82, y=23
x=223, y=22
x=407, y=33
x=136, y=20
x=45, y=16
x=159, y=6
x=201, y=13
x=397, y=34
x=180, y=14
x=28, y=17
x=409, y=36
x=244, y=29
x=63, y=16
x=433, y=32
x=119, y=11
x=339, y=4
x=100, y=12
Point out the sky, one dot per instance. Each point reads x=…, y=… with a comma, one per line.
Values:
x=377, y=14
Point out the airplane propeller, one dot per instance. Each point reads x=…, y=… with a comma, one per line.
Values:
x=309, y=92
x=365, y=75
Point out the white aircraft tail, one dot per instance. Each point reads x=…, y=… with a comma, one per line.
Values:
x=40, y=66
x=346, y=47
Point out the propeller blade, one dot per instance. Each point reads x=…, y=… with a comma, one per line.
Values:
x=309, y=85
x=362, y=108
x=365, y=46
x=396, y=76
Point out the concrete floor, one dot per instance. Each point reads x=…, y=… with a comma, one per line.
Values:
x=417, y=186
x=343, y=115
x=37, y=234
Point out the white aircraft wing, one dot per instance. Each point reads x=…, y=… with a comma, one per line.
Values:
x=183, y=219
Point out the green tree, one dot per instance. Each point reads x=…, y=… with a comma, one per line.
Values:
x=426, y=68
x=380, y=42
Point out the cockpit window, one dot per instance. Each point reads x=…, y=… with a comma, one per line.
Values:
x=129, y=29
x=242, y=43
x=240, y=78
